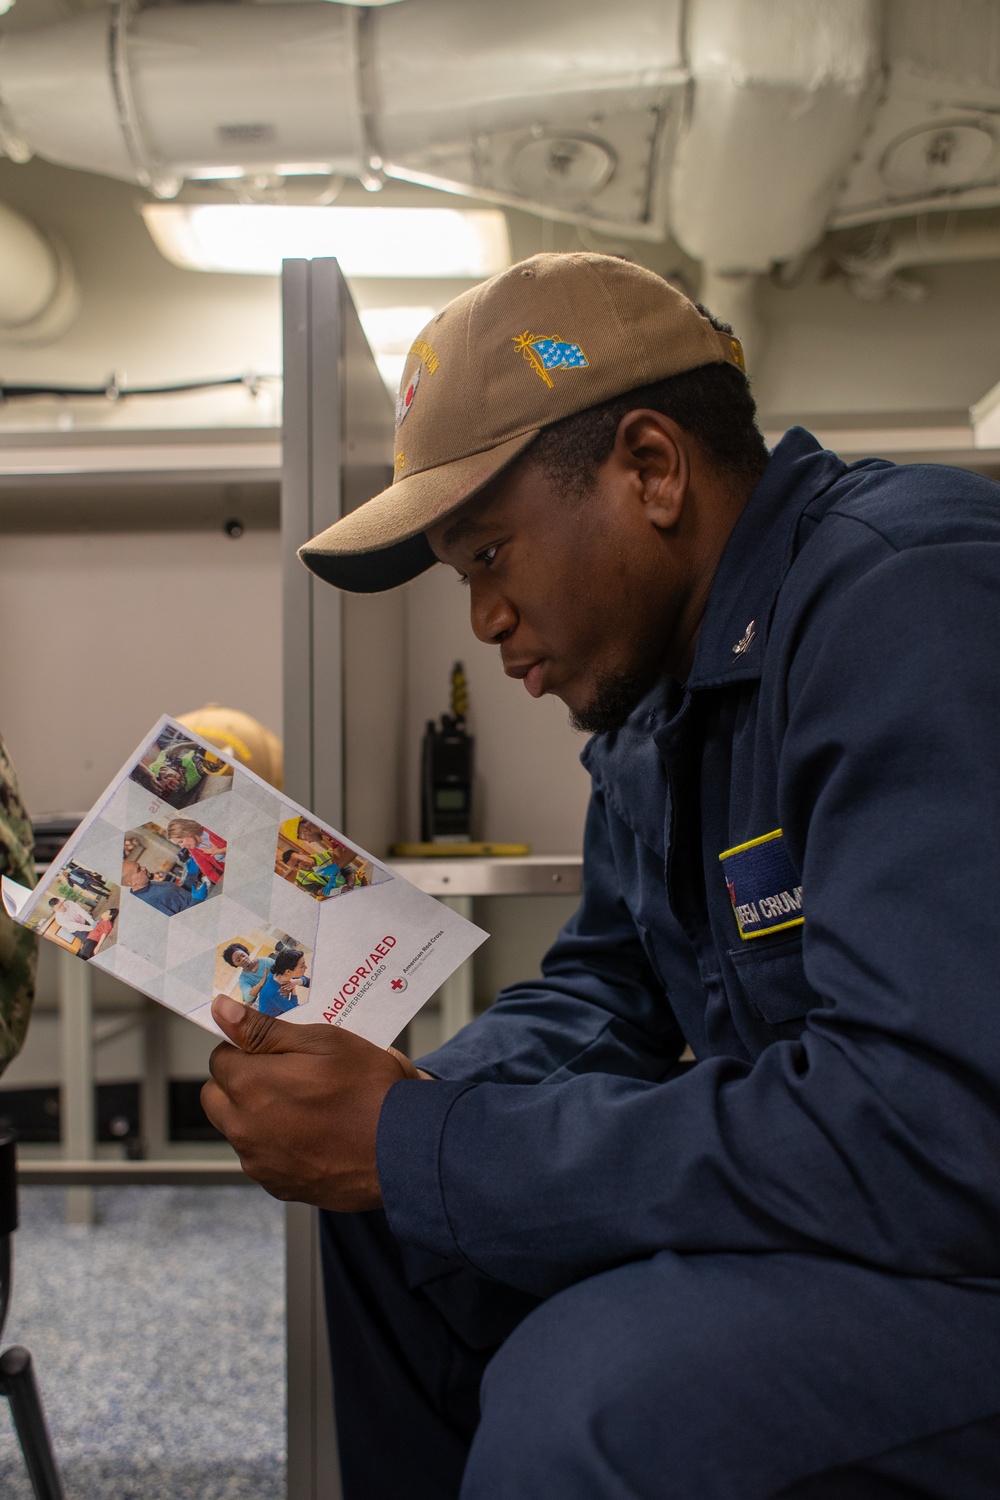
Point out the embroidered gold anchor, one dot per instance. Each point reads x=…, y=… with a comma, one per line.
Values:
x=744, y=641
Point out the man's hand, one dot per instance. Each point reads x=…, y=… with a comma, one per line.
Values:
x=300, y=1105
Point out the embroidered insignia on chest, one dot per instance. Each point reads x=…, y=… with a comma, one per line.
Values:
x=405, y=398
x=544, y=354
x=744, y=641
x=763, y=886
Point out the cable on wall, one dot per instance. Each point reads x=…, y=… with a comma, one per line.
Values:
x=115, y=389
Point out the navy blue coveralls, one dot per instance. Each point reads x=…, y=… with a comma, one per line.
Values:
x=776, y=1271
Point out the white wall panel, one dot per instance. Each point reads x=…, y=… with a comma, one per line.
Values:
x=103, y=632
x=529, y=782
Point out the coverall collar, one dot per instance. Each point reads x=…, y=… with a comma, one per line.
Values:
x=756, y=558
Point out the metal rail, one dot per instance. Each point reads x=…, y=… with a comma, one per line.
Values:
x=130, y=1173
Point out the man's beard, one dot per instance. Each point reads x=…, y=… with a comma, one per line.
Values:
x=615, y=696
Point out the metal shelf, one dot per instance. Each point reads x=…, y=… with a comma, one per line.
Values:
x=903, y=437
x=183, y=455
x=519, y=875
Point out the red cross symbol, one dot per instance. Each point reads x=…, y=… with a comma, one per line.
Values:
x=398, y=984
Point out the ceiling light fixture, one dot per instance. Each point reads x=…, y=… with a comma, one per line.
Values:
x=399, y=242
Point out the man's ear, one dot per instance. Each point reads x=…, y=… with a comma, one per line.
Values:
x=656, y=451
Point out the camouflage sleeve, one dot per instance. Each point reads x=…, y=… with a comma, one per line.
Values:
x=18, y=947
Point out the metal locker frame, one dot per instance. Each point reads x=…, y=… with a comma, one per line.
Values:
x=343, y=715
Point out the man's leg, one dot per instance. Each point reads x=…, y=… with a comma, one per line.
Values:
x=410, y=1336
x=728, y=1377
x=962, y=1464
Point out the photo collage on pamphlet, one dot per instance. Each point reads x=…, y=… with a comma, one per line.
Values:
x=192, y=877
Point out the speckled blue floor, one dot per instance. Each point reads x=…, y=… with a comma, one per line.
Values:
x=158, y=1341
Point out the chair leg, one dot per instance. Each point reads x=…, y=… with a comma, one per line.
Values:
x=18, y=1384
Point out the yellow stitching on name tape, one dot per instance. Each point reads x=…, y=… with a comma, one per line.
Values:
x=765, y=838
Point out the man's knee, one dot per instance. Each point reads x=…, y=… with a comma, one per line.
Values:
x=532, y=1439
x=723, y=1376
x=578, y=1402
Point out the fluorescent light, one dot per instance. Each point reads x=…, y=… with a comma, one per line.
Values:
x=256, y=238
x=209, y=174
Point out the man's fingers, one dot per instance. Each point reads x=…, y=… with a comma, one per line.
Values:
x=217, y=1061
x=224, y=1115
x=409, y=1071
x=259, y=1034
x=215, y=1104
x=300, y=1105
x=253, y=1032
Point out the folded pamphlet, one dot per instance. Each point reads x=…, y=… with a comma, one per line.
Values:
x=192, y=877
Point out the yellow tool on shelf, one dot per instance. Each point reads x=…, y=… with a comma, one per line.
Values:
x=457, y=851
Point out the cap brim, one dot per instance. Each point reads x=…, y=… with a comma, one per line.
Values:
x=382, y=544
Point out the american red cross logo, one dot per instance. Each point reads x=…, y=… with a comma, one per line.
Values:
x=398, y=984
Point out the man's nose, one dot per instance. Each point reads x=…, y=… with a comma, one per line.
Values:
x=493, y=617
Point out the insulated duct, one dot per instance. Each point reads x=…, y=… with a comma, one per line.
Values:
x=747, y=118
x=542, y=105
x=745, y=128
x=38, y=297
x=784, y=90
x=732, y=296
x=876, y=272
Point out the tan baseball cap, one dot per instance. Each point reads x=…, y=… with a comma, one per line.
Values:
x=547, y=338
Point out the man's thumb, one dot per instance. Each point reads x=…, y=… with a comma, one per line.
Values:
x=251, y=1031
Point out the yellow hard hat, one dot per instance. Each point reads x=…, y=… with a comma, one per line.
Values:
x=249, y=742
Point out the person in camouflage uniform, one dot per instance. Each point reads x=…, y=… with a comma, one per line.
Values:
x=18, y=946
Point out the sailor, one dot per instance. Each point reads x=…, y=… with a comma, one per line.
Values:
x=17, y=945
x=560, y=1264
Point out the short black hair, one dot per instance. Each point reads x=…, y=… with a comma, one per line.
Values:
x=288, y=958
x=713, y=403
x=227, y=953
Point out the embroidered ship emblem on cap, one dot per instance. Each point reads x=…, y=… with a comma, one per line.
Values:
x=544, y=354
x=405, y=398
x=423, y=349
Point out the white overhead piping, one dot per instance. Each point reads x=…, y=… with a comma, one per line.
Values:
x=554, y=107
x=732, y=296
x=547, y=106
x=730, y=123
x=783, y=92
x=747, y=118
x=38, y=294
x=875, y=273
x=29, y=270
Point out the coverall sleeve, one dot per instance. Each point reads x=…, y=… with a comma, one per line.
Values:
x=876, y=1134
x=18, y=946
x=597, y=1007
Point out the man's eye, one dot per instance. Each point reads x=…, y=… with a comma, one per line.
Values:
x=487, y=557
